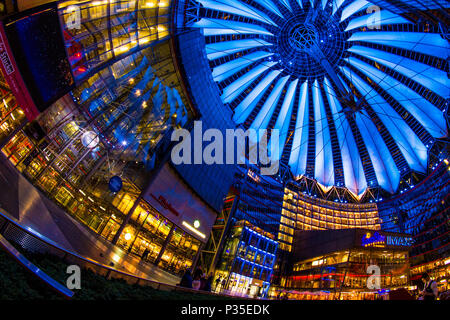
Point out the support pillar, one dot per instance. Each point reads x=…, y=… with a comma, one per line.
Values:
x=164, y=246
x=225, y=231
x=197, y=257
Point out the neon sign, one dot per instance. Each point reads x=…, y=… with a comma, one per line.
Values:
x=398, y=241
x=165, y=204
x=373, y=240
x=376, y=239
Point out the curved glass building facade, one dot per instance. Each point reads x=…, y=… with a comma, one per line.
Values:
x=358, y=99
x=357, y=92
x=115, y=123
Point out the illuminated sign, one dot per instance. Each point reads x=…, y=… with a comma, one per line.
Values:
x=14, y=79
x=187, y=225
x=165, y=204
x=173, y=199
x=398, y=241
x=373, y=240
x=376, y=239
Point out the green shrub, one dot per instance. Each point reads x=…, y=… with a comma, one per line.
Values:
x=18, y=284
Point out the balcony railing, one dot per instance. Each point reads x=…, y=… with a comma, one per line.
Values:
x=11, y=231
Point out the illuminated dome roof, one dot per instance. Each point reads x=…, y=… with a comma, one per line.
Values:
x=358, y=93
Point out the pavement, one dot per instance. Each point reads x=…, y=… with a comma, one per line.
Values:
x=26, y=205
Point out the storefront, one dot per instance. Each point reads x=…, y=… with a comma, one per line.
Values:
x=52, y=154
x=439, y=271
x=278, y=294
x=347, y=265
x=247, y=261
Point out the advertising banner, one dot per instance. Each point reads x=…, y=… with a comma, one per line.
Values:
x=383, y=239
x=14, y=79
x=177, y=202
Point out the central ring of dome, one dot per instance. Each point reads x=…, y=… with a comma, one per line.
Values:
x=302, y=41
x=302, y=36
x=304, y=67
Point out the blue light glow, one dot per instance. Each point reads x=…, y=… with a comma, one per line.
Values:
x=333, y=85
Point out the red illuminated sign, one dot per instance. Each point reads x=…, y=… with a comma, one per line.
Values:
x=14, y=79
x=165, y=204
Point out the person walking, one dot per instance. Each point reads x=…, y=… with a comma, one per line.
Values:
x=430, y=290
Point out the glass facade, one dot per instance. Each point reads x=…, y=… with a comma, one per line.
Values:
x=129, y=126
x=11, y=115
x=346, y=270
x=136, y=81
x=347, y=264
x=439, y=271
x=96, y=32
x=302, y=212
x=260, y=200
x=115, y=123
x=247, y=260
x=423, y=212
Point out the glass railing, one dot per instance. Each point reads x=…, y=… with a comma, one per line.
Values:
x=31, y=241
x=38, y=273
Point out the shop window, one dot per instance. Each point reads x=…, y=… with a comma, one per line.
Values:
x=17, y=148
x=125, y=202
x=95, y=223
x=152, y=223
x=164, y=229
x=63, y=196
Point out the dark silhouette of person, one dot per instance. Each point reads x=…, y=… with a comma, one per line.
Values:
x=196, y=283
x=186, y=280
x=218, y=281
x=208, y=283
x=224, y=282
x=202, y=282
x=145, y=255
